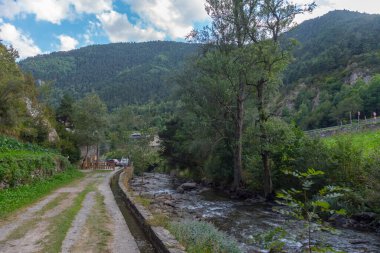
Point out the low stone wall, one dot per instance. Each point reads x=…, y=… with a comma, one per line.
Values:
x=160, y=237
x=330, y=131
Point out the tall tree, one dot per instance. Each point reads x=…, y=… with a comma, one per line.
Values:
x=90, y=120
x=65, y=111
x=208, y=112
x=269, y=60
x=247, y=31
x=11, y=82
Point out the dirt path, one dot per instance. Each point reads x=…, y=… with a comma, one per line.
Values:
x=82, y=217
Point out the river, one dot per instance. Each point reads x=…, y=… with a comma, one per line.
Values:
x=244, y=220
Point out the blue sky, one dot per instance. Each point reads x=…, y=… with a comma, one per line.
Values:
x=42, y=26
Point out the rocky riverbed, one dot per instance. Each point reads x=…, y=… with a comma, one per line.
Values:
x=243, y=220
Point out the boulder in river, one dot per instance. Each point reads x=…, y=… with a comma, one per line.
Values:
x=341, y=220
x=365, y=217
x=169, y=203
x=358, y=241
x=180, y=190
x=188, y=186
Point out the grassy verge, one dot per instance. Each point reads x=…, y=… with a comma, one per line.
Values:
x=97, y=224
x=203, y=237
x=97, y=230
x=60, y=225
x=54, y=203
x=143, y=201
x=16, y=198
x=24, y=154
x=159, y=220
x=367, y=141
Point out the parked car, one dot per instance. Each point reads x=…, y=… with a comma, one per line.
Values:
x=112, y=162
x=123, y=162
x=136, y=136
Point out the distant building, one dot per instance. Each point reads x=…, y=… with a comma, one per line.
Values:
x=156, y=142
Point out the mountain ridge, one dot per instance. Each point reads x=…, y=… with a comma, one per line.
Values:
x=137, y=72
x=335, y=52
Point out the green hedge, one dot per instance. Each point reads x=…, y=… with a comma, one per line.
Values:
x=24, y=168
x=24, y=163
x=10, y=144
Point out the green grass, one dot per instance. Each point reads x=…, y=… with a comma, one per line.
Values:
x=54, y=203
x=159, y=220
x=9, y=144
x=20, y=154
x=96, y=223
x=202, y=237
x=15, y=198
x=60, y=225
x=143, y=201
x=367, y=141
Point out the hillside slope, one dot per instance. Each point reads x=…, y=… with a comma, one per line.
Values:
x=120, y=73
x=332, y=74
x=333, y=41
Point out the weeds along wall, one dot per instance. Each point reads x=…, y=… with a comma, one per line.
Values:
x=23, y=163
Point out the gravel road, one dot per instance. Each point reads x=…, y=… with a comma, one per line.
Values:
x=96, y=226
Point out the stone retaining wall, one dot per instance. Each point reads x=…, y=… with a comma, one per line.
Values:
x=160, y=237
x=330, y=131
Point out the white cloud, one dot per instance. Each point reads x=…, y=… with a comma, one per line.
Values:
x=324, y=6
x=67, y=43
x=87, y=39
x=17, y=38
x=92, y=6
x=53, y=11
x=93, y=29
x=174, y=17
x=119, y=29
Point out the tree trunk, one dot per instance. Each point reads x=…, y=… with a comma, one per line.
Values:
x=268, y=188
x=265, y=154
x=97, y=155
x=238, y=138
x=85, y=157
x=239, y=103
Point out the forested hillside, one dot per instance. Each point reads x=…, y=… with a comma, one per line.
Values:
x=121, y=73
x=337, y=56
x=335, y=53
x=334, y=41
x=21, y=114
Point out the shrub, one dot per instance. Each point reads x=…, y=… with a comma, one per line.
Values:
x=198, y=236
x=9, y=144
x=69, y=149
x=24, y=168
x=23, y=163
